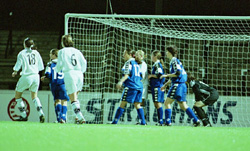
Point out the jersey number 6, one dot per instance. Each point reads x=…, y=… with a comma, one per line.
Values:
x=73, y=60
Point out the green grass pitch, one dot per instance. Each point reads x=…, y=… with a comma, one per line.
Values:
x=30, y=136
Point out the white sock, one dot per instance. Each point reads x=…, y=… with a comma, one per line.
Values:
x=76, y=109
x=21, y=105
x=38, y=106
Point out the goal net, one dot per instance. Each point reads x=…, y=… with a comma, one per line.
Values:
x=214, y=49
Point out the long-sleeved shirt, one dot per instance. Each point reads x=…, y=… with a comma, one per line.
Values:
x=30, y=61
x=201, y=90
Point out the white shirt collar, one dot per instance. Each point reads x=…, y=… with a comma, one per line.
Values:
x=54, y=60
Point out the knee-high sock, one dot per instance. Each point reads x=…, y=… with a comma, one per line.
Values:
x=64, y=112
x=77, y=110
x=118, y=114
x=168, y=113
x=160, y=115
x=141, y=116
x=202, y=115
x=21, y=107
x=38, y=106
x=58, y=112
x=191, y=114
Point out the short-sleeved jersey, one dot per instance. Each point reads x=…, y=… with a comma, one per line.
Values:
x=30, y=61
x=158, y=71
x=201, y=90
x=132, y=69
x=144, y=71
x=70, y=58
x=176, y=65
x=56, y=78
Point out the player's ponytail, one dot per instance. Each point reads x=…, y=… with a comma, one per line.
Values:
x=29, y=43
x=67, y=41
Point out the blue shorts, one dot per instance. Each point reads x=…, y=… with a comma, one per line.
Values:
x=131, y=95
x=157, y=95
x=59, y=92
x=178, y=91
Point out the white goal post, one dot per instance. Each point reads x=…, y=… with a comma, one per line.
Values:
x=216, y=49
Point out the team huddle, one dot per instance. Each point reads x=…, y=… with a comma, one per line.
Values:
x=67, y=66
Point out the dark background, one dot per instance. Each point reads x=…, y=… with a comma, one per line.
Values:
x=49, y=14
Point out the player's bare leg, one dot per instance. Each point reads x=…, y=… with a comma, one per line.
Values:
x=199, y=104
x=76, y=107
x=21, y=106
x=38, y=106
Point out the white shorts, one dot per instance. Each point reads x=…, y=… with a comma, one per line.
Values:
x=145, y=92
x=28, y=81
x=73, y=81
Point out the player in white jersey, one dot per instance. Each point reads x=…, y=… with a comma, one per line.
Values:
x=73, y=64
x=31, y=63
x=144, y=71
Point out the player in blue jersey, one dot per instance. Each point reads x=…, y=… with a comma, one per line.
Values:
x=156, y=83
x=132, y=92
x=178, y=88
x=57, y=87
x=204, y=95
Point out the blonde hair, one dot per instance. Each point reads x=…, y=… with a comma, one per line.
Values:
x=67, y=41
x=141, y=53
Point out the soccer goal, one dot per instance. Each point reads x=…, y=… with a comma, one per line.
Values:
x=216, y=49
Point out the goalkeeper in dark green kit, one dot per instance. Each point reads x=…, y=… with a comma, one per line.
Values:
x=204, y=95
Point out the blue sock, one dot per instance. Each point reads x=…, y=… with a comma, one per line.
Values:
x=64, y=112
x=141, y=116
x=168, y=113
x=160, y=115
x=191, y=114
x=58, y=112
x=118, y=114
